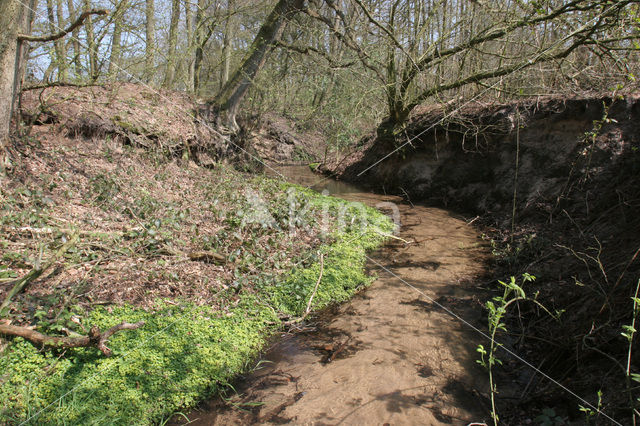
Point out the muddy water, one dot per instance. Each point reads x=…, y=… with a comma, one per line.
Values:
x=390, y=356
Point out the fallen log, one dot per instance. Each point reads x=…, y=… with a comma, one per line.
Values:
x=207, y=257
x=94, y=339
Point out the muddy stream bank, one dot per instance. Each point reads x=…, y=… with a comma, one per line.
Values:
x=389, y=356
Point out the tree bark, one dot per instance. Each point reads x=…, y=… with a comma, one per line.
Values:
x=150, y=42
x=11, y=17
x=228, y=99
x=226, y=44
x=91, y=46
x=170, y=72
x=94, y=338
x=115, y=59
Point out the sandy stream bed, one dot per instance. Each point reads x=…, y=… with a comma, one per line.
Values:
x=389, y=356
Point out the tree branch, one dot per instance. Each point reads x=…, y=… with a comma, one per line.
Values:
x=60, y=84
x=386, y=31
x=93, y=339
x=76, y=24
x=434, y=58
x=307, y=50
x=499, y=72
x=345, y=38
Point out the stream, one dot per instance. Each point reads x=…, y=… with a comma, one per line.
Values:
x=390, y=355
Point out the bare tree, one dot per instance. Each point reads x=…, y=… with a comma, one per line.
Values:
x=150, y=40
x=11, y=17
x=170, y=72
x=75, y=41
x=92, y=50
x=115, y=60
x=200, y=38
x=485, y=42
x=189, y=21
x=228, y=99
x=229, y=29
x=61, y=46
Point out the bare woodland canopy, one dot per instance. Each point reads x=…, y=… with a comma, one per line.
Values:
x=341, y=61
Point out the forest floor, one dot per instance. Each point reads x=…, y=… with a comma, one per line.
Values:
x=214, y=261
x=158, y=229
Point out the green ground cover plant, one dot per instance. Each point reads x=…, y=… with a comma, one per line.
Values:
x=137, y=231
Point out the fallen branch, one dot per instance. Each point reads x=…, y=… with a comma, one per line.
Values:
x=47, y=230
x=207, y=257
x=94, y=339
x=333, y=353
x=34, y=274
x=395, y=237
x=70, y=28
x=60, y=84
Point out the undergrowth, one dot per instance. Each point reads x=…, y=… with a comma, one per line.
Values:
x=204, y=323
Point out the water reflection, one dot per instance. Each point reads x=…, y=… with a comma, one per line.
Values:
x=303, y=175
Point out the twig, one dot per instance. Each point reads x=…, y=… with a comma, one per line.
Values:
x=395, y=237
x=36, y=272
x=333, y=354
x=473, y=220
x=133, y=215
x=70, y=28
x=315, y=289
x=408, y=198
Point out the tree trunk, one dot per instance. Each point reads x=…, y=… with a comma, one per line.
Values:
x=231, y=94
x=393, y=126
x=115, y=64
x=173, y=42
x=53, y=55
x=11, y=12
x=199, y=40
x=150, y=45
x=188, y=18
x=226, y=44
x=61, y=47
x=91, y=45
x=75, y=41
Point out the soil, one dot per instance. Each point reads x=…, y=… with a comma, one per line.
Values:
x=169, y=121
x=113, y=194
x=276, y=140
x=389, y=356
x=569, y=168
